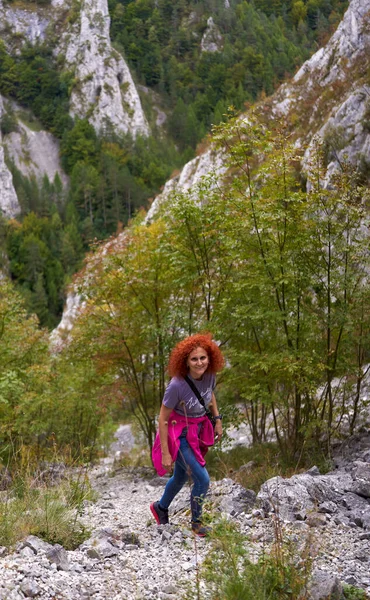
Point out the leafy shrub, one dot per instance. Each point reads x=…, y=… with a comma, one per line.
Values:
x=8, y=123
x=49, y=511
x=229, y=574
x=353, y=593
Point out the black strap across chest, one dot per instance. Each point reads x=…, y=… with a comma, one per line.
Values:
x=195, y=390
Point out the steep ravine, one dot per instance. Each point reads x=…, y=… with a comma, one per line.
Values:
x=129, y=558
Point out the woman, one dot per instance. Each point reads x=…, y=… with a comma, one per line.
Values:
x=185, y=431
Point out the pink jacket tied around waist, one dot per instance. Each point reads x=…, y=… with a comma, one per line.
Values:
x=199, y=440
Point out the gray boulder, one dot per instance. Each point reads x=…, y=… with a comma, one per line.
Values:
x=30, y=588
x=36, y=544
x=325, y=586
x=58, y=556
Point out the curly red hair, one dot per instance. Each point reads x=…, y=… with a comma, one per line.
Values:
x=177, y=365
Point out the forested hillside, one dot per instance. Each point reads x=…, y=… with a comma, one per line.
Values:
x=256, y=45
x=111, y=175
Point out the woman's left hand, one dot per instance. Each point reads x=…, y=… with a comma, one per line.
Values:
x=218, y=430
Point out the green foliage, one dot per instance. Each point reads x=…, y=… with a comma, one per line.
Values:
x=126, y=347
x=23, y=370
x=8, y=123
x=112, y=177
x=39, y=261
x=276, y=273
x=46, y=402
x=79, y=144
x=352, y=593
x=290, y=319
x=229, y=574
x=46, y=510
x=32, y=80
x=262, y=43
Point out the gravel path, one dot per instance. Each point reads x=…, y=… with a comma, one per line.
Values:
x=128, y=557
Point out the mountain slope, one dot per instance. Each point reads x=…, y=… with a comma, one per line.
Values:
x=329, y=97
x=311, y=105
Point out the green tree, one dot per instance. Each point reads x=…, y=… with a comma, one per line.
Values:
x=23, y=373
x=302, y=258
x=131, y=321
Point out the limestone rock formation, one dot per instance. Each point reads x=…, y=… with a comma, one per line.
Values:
x=8, y=198
x=35, y=153
x=212, y=38
x=17, y=23
x=210, y=162
x=329, y=96
x=104, y=91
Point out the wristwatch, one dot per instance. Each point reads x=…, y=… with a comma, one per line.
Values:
x=218, y=417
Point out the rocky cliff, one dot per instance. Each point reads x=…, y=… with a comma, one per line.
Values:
x=103, y=90
x=329, y=96
x=34, y=152
x=8, y=198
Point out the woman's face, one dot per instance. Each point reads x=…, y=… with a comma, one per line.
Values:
x=197, y=362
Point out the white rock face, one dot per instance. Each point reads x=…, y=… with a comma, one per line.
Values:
x=73, y=305
x=346, y=124
x=31, y=24
x=348, y=42
x=330, y=94
x=105, y=91
x=212, y=38
x=35, y=153
x=211, y=162
x=8, y=198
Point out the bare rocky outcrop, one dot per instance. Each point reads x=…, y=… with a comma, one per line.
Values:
x=17, y=23
x=212, y=39
x=208, y=163
x=35, y=153
x=104, y=91
x=329, y=97
x=8, y=198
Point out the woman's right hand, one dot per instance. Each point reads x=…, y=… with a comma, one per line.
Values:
x=166, y=461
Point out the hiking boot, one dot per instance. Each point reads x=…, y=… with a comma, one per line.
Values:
x=201, y=530
x=160, y=514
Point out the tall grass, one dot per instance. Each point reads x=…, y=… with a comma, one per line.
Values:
x=229, y=574
x=37, y=503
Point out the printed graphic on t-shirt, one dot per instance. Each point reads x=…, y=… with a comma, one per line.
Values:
x=182, y=399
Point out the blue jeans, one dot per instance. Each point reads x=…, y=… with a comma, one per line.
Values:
x=187, y=466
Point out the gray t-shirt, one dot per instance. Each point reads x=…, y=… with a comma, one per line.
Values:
x=182, y=399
